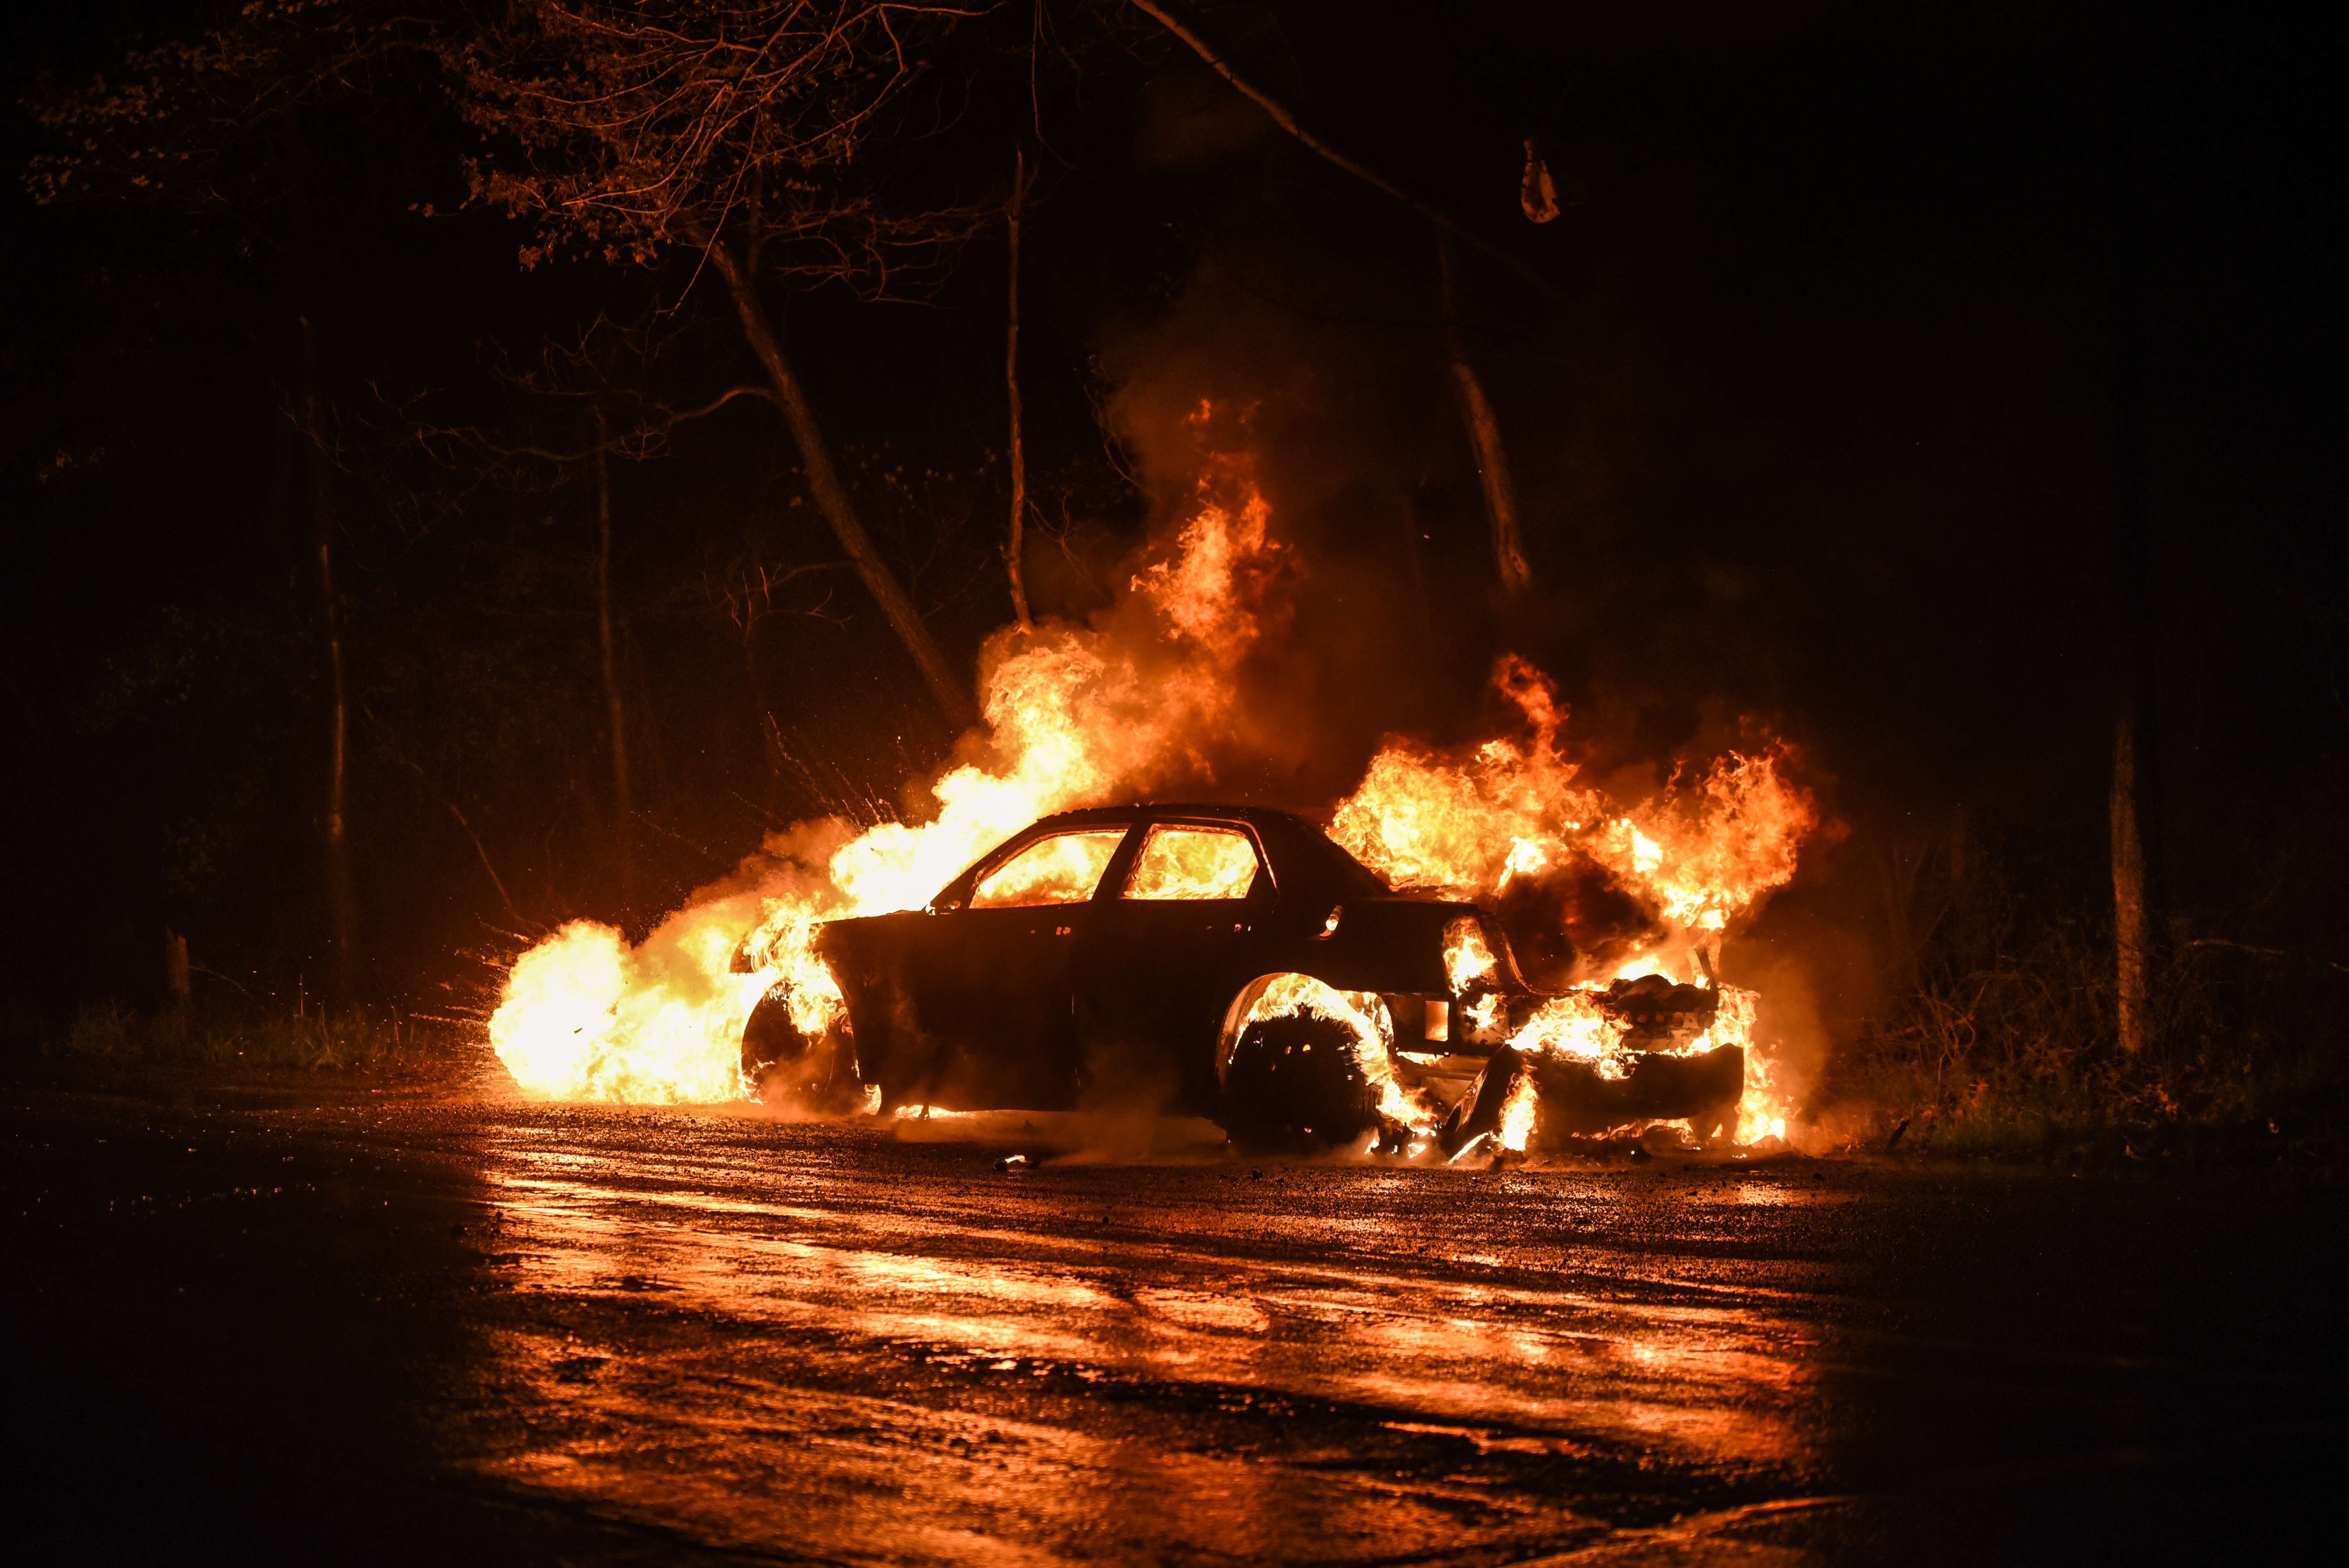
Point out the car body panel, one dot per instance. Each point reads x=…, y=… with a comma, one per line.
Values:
x=1045, y=1006
x=1116, y=999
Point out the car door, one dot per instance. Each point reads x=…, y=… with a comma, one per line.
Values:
x=989, y=984
x=1163, y=958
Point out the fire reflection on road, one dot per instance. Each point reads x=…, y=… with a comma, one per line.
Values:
x=1327, y=1344
x=614, y=1334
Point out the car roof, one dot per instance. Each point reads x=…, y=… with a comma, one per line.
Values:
x=1208, y=810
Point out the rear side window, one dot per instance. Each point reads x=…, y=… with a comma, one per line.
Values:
x=1062, y=868
x=1192, y=862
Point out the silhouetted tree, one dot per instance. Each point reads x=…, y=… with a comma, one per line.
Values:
x=210, y=122
x=744, y=133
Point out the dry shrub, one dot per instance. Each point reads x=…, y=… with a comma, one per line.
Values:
x=2000, y=1026
x=258, y=1036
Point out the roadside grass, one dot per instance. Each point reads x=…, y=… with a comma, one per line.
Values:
x=1999, y=1033
x=256, y=1036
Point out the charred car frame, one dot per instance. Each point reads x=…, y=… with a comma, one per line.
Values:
x=1225, y=962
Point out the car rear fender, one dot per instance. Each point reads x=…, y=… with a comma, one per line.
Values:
x=1396, y=944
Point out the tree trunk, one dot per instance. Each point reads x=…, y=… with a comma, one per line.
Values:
x=175, y=966
x=1484, y=435
x=342, y=901
x=824, y=481
x=2136, y=758
x=1011, y=382
x=339, y=749
x=614, y=714
x=2133, y=899
x=1475, y=408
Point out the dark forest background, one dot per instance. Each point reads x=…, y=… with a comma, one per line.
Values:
x=1820, y=422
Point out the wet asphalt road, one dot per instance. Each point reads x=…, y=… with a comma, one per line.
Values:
x=330, y=1324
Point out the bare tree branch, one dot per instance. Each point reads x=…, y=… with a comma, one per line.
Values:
x=1484, y=435
x=635, y=442
x=1175, y=21
x=739, y=128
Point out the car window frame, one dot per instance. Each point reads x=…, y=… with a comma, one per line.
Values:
x=971, y=880
x=956, y=894
x=1265, y=890
x=1261, y=888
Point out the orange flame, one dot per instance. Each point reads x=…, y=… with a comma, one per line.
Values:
x=1364, y=1015
x=1467, y=958
x=1076, y=715
x=1080, y=715
x=1192, y=862
x=1517, y=1114
x=1702, y=854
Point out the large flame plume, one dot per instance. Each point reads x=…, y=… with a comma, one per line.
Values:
x=1694, y=859
x=1610, y=893
x=1077, y=716
x=1082, y=714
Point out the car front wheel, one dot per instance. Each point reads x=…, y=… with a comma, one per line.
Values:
x=783, y=1061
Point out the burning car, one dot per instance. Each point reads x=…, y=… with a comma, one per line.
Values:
x=1483, y=941
x=1234, y=962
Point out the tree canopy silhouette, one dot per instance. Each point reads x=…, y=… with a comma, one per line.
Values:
x=750, y=133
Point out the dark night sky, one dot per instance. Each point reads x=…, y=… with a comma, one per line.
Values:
x=1818, y=429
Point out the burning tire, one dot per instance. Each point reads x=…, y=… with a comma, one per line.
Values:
x=784, y=1061
x=1295, y=1086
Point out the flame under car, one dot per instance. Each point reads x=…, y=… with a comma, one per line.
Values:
x=1225, y=961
